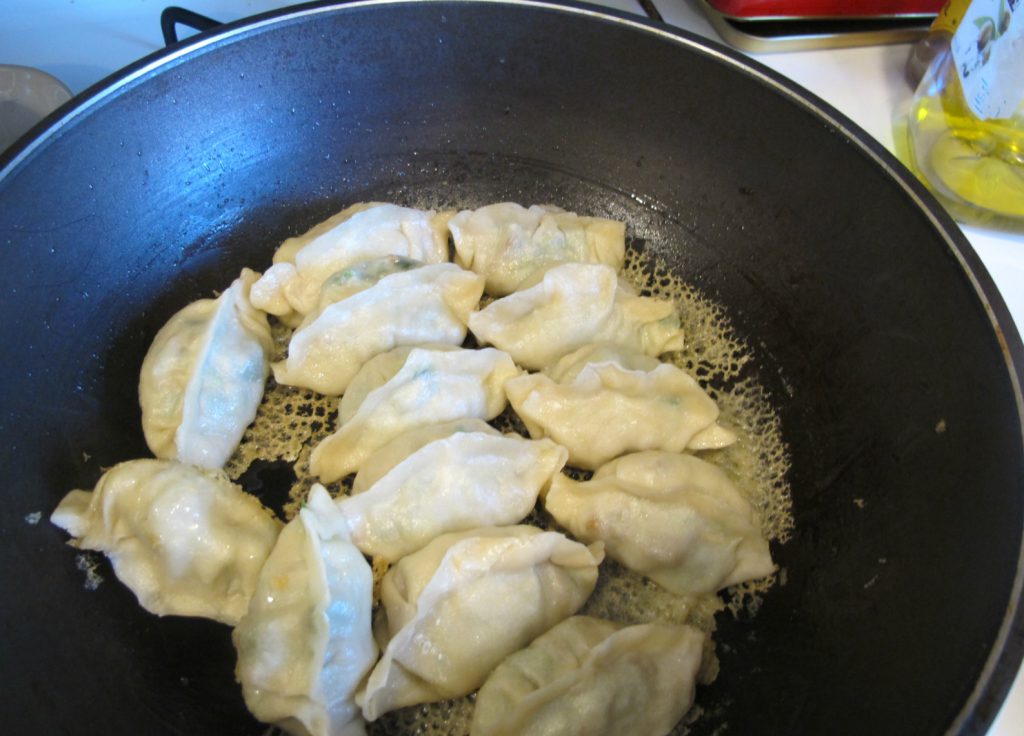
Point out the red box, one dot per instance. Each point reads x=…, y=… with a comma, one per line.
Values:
x=806, y=9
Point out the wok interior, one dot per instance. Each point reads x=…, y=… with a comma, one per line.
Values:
x=892, y=387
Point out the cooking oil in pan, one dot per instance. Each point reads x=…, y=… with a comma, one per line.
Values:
x=292, y=421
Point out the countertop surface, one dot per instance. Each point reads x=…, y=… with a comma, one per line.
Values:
x=80, y=43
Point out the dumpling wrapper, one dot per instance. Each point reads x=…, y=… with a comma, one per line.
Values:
x=383, y=459
x=306, y=642
x=566, y=368
x=432, y=386
x=358, y=233
x=674, y=518
x=358, y=277
x=460, y=605
x=268, y=293
x=510, y=244
x=465, y=481
x=185, y=540
x=203, y=377
x=374, y=373
x=573, y=305
x=430, y=304
x=591, y=677
x=608, y=411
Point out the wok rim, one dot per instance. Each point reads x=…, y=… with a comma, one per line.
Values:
x=1005, y=656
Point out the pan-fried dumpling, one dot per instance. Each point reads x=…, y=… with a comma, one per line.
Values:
x=608, y=411
x=509, y=243
x=268, y=293
x=203, y=377
x=185, y=540
x=306, y=642
x=590, y=677
x=569, y=366
x=390, y=454
x=430, y=304
x=573, y=305
x=675, y=518
x=374, y=373
x=460, y=605
x=355, y=278
x=432, y=386
x=359, y=233
x=465, y=481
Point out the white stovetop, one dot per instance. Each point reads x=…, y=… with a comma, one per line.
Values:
x=82, y=42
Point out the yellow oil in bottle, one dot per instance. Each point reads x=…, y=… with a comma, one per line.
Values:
x=974, y=167
x=970, y=155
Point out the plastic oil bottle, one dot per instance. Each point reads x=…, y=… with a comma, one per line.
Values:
x=963, y=133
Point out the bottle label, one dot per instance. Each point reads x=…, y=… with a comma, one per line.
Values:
x=988, y=50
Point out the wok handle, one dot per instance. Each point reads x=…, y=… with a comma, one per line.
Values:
x=173, y=16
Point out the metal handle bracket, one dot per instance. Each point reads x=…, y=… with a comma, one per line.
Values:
x=174, y=16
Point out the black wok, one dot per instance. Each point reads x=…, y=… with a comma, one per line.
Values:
x=893, y=362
